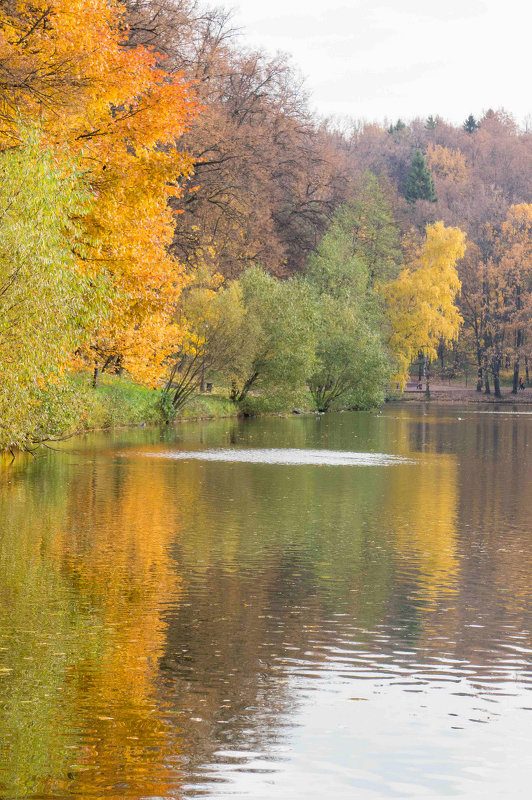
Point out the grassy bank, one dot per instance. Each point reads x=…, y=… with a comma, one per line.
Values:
x=119, y=401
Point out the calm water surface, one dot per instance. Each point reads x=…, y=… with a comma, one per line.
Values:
x=292, y=608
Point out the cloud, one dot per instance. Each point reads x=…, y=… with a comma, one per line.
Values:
x=401, y=57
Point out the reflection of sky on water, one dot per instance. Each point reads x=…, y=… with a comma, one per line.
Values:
x=290, y=456
x=347, y=748
x=369, y=725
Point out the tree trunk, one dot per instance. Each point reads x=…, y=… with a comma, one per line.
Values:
x=515, y=384
x=247, y=386
x=95, y=377
x=479, y=373
x=496, y=380
x=526, y=371
x=426, y=375
x=441, y=354
x=108, y=362
x=486, y=379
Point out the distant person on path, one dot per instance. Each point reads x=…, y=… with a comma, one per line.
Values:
x=521, y=383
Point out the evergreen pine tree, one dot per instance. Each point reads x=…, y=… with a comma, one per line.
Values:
x=399, y=127
x=430, y=124
x=419, y=184
x=471, y=125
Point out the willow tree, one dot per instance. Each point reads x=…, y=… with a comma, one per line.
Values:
x=213, y=321
x=351, y=366
x=44, y=301
x=276, y=340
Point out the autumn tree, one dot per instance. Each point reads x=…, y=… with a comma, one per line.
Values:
x=501, y=152
x=474, y=308
x=268, y=177
x=64, y=64
x=496, y=299
x=446, y=163
x=496, y=174
x=509, y=298
x=515, y=258
x=421, y=302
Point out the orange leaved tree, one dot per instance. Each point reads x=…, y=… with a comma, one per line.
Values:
x=65, y=66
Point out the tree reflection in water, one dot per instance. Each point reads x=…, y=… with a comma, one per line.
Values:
x=166, y=623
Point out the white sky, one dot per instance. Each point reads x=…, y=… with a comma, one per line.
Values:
x=372, y=59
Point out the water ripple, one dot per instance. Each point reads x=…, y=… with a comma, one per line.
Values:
x=289, y=456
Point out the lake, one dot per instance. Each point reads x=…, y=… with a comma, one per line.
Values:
x=336, y=605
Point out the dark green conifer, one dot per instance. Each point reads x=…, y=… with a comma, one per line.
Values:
x=419, y=184
x=398, y=127
x=471, y=125
x=430, y=124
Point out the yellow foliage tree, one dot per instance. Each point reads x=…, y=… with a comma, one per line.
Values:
x=421, y=302
x=446, y=163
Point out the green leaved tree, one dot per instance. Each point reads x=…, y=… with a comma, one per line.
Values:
x=352, y=365
x=358, y=253
x=215, y=325
x=45, y=304
x=276, y=340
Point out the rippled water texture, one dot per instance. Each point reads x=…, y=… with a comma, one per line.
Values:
x=313, y=607
x=286, y=455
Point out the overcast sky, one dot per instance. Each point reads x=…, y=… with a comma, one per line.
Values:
x=371, y=59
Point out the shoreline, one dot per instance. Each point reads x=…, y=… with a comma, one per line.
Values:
x=124, y=405
x=445, y=394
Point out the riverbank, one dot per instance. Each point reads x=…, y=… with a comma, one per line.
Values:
x=460, y=393
x=119, y=402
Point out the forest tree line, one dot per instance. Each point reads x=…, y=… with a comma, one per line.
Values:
x=170, y=209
